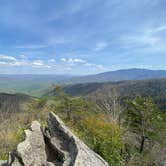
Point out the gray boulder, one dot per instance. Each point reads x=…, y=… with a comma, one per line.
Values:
x=32, y=150
x=3, y=162
x=75, y=152
x=53, y=146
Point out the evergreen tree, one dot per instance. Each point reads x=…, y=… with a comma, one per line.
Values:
x=143, y=118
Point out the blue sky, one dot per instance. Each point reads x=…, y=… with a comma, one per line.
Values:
x=81, y=36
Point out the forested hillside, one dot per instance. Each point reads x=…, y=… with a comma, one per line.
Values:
x=14, y=102
x=124, y=122
x=155, y=88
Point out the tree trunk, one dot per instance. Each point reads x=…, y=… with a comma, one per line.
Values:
x=142, y=144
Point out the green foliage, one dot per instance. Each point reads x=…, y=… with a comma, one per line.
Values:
x=92, y=126
x=9, y=141
x=143, y=117
x=155, y=88
x=103, y=137
x=144, y=123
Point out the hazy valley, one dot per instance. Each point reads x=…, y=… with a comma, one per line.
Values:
x=38, y=85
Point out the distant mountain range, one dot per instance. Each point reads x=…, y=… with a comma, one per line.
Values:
x=36, y=85
x=121, y=75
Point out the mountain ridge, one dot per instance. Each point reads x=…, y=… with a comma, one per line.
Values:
x=37, y=85
x=123, y=74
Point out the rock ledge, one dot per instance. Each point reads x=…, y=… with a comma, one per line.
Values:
x=53, y=146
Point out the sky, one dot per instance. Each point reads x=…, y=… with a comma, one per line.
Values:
x=81, y=36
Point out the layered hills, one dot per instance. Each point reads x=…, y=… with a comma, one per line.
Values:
x=37, y=85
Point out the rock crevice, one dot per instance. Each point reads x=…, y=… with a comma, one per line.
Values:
x=53, y=146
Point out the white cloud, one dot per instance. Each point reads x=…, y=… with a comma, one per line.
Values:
x=88, y=64
x=23, y=56
x=12, y=61
x=158, y=29
x=51, y=60
x=3, y=63
x=147, y=40
x=98, y=66
x=39, y=63
x=68, y=65
x=100, y=46
x=140, y=40
x=63, y=59
x=6, y=57
x=76, y=60
x=73, y=60
x=17, y=63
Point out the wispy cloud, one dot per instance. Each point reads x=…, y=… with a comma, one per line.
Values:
x=12, y=61
x=73, y=60
x=39, y=63
x=54, y=40
x=101, y=67
x=93, y=39
x=6, y=57
x=146, y=40
x=31, y=46
x=100, y=46
x=3, y=63
x=158, y=29
x=71, y=9
x=52, y=60
x=22, y=56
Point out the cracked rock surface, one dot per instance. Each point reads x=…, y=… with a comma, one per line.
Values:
x=52, y=146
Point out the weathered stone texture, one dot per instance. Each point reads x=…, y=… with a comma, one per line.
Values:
x=53, y=146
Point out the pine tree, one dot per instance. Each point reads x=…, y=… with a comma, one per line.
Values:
x=142, y=117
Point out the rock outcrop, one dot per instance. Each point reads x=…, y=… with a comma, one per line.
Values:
x=53, y=146
x=32, y=150
x=76, y=153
